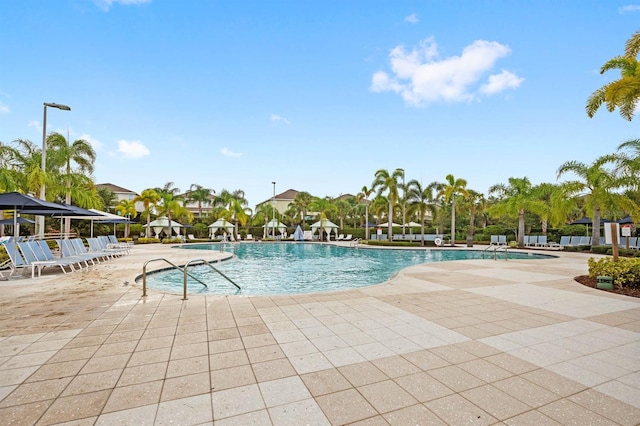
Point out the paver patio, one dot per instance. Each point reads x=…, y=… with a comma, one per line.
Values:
x=483, y=342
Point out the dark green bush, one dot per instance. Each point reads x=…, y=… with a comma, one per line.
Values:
x=570, y=248
x=600, y=249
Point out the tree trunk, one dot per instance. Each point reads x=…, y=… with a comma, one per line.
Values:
x=596, y=227
x=471, y=230
x=521, y=229
x=453, y=221
x=544, y=227
x=390, y=227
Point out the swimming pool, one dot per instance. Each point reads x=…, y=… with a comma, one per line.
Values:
x=294, y=268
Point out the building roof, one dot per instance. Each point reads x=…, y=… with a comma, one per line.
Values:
x=287, y=195
x=115, y=188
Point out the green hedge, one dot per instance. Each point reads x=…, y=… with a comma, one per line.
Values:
x=625, y=272
x=148, y=240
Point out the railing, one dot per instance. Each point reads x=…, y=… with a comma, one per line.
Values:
x=496, y=248
x=185, y=273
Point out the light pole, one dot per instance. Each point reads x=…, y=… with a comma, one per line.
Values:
x=273, y=212
x=404, y=197
x=43, y=166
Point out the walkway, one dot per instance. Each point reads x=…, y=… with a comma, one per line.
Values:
x=466, y=342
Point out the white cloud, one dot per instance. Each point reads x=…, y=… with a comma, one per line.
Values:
x=133, y=149
x=412, y=19
x=629, y=8
x=106, y=4
x=228, y=153
x=36, y=124
x=420, y=77
x=96, y=144
x=499, y=82
x=276, y=118
x=3, y=108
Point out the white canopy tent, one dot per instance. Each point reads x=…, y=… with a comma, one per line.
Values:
x=274, y=224
x=386, y=225
x=220, y=224
x=327, y=225
x=162, y=223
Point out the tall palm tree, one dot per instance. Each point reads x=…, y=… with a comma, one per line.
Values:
x=199, y=194
x=558, y=203
x=515, y=199
x=126, y=208
x=601, y=185
x=421, y=201
x=342, y=210
x=263, y=213
x=8, y=172
x=28, y=159
x=389, y=182
x=63, y=155
x=448, y=192
x=322, y=206
x=363, y=196
x=148, y=197
x=623, y=93
x=474, y=203
x=170, y=206
x=301, y=203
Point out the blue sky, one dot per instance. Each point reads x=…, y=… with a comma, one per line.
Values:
x=315, y=95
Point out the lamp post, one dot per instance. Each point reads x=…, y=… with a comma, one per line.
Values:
x=43, y=165
x=404, y=197
x=273, y=212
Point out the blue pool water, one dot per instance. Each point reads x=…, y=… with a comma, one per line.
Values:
x=293, y=268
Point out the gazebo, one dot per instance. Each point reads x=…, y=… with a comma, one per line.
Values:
x=220, y=224
x=327, y=225
x=274, y=223
x=162, y=223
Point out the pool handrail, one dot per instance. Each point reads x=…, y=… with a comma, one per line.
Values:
x=185, y=272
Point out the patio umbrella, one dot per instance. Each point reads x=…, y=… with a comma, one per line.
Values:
x=22, y=203
x=20, y=220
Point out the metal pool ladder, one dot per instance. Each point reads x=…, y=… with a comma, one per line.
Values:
x=496, y=248
x=185, y=273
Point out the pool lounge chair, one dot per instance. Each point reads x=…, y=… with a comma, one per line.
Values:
x=349, y=237
x=541, y=241
x=494, y=240
x=249, y=237
x=564, y=240
x=502, y=240
x=33, y=255
x=17, y=262
x=340, y=237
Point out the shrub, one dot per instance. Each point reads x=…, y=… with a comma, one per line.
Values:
x=625, y=272
x=148, y=240
x=172, y=241
x=584, y=248
x=600, y=249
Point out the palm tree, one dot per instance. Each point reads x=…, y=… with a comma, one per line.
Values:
x=342, y=210
x=558, y=204
x=474, y=203
x=8, y=168
x=600, y=184
x=322, y=206
x=385, y=181
x=170, y=206
x=623, y=93
x=301, y=203
x=63, y=155
x=126, y=208
x=149, y=197
x=199, y=194
x=232, y=207
x=515, y=199
x=28, y=159
x=448, y=191
x=262, y=215
x=364, y=195
x=421, y=201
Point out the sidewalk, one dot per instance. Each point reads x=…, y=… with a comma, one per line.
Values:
x=468, y=342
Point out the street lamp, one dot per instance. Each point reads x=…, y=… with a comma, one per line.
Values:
x=404, y=197
x=44, y=157
x=273, y=212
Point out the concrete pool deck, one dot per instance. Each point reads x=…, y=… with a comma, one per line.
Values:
x=481, y=342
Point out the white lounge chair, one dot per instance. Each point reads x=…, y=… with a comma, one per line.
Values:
x=349, y=237
x=340, y=237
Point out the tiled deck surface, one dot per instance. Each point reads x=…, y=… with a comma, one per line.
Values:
x=460, y=343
